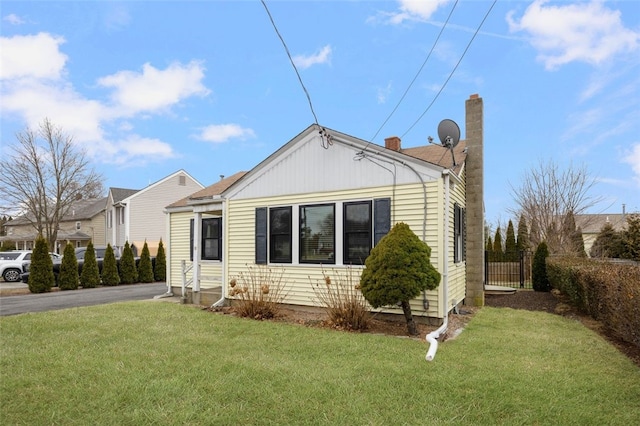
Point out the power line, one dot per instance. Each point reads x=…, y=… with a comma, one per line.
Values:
x=453, y=70
x=291, y=60
x=419, y=71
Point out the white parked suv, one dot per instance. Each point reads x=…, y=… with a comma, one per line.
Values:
x=11, y=263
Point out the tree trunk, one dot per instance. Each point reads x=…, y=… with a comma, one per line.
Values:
x=412, y=328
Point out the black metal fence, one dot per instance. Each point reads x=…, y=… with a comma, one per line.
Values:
x=508, y=269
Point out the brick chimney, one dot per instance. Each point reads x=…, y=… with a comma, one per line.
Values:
x=474, y=135
x=393, y=143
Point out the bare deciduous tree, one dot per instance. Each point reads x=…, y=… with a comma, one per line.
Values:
x=43, y=174
x=547, y=195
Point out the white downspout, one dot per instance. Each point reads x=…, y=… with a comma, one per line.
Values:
x=431, y=337
x=197, y=237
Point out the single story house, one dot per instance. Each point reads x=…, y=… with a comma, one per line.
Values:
x=322, y=201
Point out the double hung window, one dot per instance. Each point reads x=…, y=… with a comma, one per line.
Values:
x=357, y=232
x=317, y=234
x=211, y=241
x=459, y=219
x=280, y=235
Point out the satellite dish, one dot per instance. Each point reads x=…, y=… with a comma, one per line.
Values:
x=449, y=133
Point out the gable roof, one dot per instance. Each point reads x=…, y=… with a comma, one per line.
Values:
x=119, y=194
x=209, y=192
x=82, y=209
x=593, y=223
x=439, y=155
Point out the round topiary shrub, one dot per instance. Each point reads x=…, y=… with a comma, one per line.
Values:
x=397, y=270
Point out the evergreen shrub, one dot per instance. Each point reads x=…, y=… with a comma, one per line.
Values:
x=128, y=272
x=397, y=270
x=68, y=278
x=110, y=275
x=145, y=268
x=90, y=275
x=160, y=266
x=41, y=277
x=539, y=274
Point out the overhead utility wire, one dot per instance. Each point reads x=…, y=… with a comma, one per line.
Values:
x=452, y=71
x=291, y=60
x=419, y=70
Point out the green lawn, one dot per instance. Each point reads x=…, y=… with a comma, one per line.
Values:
x=164, y=363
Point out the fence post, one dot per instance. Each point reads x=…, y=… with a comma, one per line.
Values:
x=521, y=268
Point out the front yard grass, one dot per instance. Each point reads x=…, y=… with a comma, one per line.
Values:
x=162, y=363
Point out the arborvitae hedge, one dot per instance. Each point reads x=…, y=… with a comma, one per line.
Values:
x=90, y=276
x=539, y=274
x=41, y=277
x=110, y=268
x=397, y=270
x=128, y=272
x=68, y=278
x=160, y=269
x=523, y=243
x=510, y=247
x=145, y=268
x=498, y=252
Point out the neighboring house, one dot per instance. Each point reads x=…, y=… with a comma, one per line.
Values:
x=592, y=224
x=84, y=222
x=136, y=216
x=323, y=200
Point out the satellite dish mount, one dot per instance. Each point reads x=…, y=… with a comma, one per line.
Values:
x=449, y=134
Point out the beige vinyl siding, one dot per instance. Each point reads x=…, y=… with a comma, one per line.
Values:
x=178, y=247
x=146, y=208
x=407, y=206
x=211, y=271
x=97, y=227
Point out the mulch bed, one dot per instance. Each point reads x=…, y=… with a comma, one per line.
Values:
x=555, y=303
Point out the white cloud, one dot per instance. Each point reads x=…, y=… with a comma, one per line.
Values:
x=219, y=133
x=154, y=89
x=35, y=56
x=383, y=93
x=35, y=100
x=633, y=158
x=35, y=86
x=586, y=32
x=13, y=19
x=415, y=10
x=323, y=56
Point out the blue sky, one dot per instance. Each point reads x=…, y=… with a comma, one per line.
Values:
x=151, y=87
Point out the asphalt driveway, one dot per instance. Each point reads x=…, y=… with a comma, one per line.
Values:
x=19, y=304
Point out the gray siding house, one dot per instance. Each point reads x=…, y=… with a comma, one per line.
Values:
x=136, y=216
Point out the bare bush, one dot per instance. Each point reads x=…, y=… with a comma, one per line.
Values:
x=343, y=301
x=258, y=292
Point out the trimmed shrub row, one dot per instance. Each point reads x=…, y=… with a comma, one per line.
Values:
x=608, y=292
